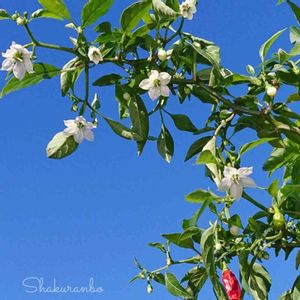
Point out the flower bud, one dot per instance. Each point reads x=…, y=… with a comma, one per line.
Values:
x=234, y=230
x=149, y=288
x=126, y=96
x=218, y=246
x=15, y=16
x=271, y=91
x=20, y=21
x=162, y=54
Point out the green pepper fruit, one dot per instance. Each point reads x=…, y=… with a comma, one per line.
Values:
x=278, y=219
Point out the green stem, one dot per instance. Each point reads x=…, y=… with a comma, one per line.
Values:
x=49, y=46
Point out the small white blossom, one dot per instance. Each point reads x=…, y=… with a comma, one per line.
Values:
x=271, y=91
x=95, y=55
x=80, y=129
x=163, y=54
x=188, y=8
x=18, y=60
x=235, y=180
x=234, y=230
x=156, y=84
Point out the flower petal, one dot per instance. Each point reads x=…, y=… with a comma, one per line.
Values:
x=236, y=190
x=247, y=182
x=164, y=90
x=225, y=184
x=79, y=136
x=153, y=75
x=19, y=70
x=7, y=64
x=229, y=171
x=243, y=172
x=88, y=135
x=154, y=93
x=164, y=78
x=28, y=65
x=146, y=84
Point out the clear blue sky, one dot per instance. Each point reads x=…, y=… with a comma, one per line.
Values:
x=90, y=214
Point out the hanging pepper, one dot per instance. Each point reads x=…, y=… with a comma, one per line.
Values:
x=231, y=285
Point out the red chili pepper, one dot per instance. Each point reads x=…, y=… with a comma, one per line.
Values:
x=231, y=285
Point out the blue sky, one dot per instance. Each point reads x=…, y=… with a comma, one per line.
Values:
x=90, y=214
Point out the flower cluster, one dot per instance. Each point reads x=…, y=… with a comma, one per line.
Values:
x=80, y=129
x=17, y=60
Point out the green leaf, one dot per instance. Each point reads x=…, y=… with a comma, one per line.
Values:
x=158, y=246
x=298, y=260
x=288, y=295
x=67, y=79
x=133, y=14
x=255, y=279
x=41, y=72
x=56, y=7
x=164, y=10
x=140, y=120
x=196, y=279
x=61, y=146
x=196, y=147
x=165, y=144
x=245, y=148
x=175, y=239
x=4, y=15
x=205, y=158
x=93, y=10
x=109, y=79
x=293, y=98
x=294, y=35
x=174, y=287
x=201, y=196
x=192, y=222
x=267, y=45
x=183, y=122
x=296, y=289
x=295, y=9
x=207, y=245
x=273, y=188
x=122, y=130
x=42, y=13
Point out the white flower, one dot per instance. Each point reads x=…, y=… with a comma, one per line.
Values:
x=188, y=8
x=95, y=55
x=163, y=54
x=156, y=84
x=271, y=91
x=235, y=180
x=18, y=60
x=80, y=129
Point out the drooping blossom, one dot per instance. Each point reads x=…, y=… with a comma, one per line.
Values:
x=235, y=180
x=80, y=129
x=188, y=9
x=18, y=60
x=271, y=91
x=231, y=285
x=163, y=54
x=95, y=55
x=156, y=84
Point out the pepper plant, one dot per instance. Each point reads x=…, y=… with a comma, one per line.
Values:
x=160, y=62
